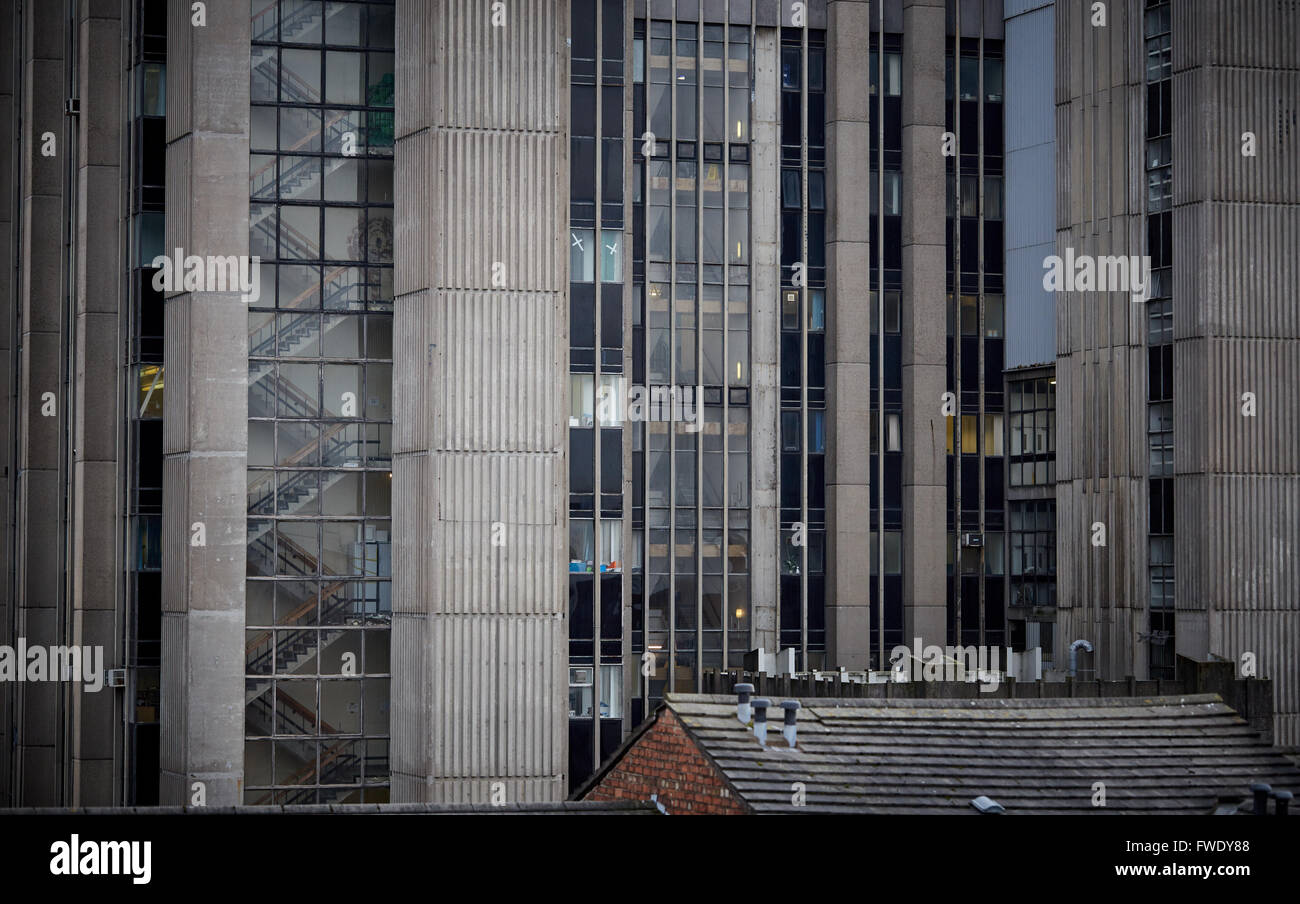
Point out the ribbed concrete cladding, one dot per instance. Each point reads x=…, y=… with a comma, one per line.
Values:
x=479, y=397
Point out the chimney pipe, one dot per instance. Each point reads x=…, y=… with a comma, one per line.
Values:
x=791, y=708
x=1074, y=654
x=760, y=720
x=743, y=693
x=1281, y=801
x=1261, y=792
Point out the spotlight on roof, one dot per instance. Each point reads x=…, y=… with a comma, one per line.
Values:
x=987, y=806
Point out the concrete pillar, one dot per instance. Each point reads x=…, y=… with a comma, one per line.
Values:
x=765, y=343
x=1237, y=331
x=42, y=409
x=98, y=419
x=205, y=431
x=8, y=420
x=924, y=325
x=848, y=333
x=1101, y=391
x=480, y=403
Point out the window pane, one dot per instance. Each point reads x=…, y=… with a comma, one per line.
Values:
x=993, y=197
x=992, y=434
x=969, y=78
x=582, y=258
x=581, y=400
x=992, y=80
x=343, y=81
x=969, y=315
x=993, y=316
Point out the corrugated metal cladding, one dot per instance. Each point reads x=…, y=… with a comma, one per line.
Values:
x=480, y=404
x=1030, y=182
x=1012, y=8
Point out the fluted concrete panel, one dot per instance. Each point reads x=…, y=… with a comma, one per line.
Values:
x=472, y=89
x=489, y=704
x=1255, y=33
x=413, y=72
x=1215, y=432
x=503, y=665
x=180, y=76
x=476, y=392
x=413, y=170
x=412, y=560
x=486, y=394
x=1253, y=566
x=479, y=636
x=482, y=501
x=1237, y=269
x=1114, y=636
x=480, y=176
x=1213, y=109
x=1273, y=636
x=1236, y=226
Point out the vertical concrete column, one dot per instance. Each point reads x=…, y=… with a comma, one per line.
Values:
x=1101, y=391
x=479, y=634
x=924, y=324
x=848, y=353
x=765, y=342
x=8, y=422
x=41, y=409
x=205, y=411
x=1237, y=331
x=98, y=418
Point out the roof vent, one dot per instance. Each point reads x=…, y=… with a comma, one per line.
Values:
x=1261, y=792
x=1281, y=802
x=760, y=720
x=743, y=693
x=987, y=806
x=791, y=708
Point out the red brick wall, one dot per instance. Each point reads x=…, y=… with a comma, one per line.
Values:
x=665, y=762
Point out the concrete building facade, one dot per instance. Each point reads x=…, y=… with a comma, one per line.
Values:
x=798, y=382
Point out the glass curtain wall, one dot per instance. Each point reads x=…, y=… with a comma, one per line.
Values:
x=144, y=404
x=976, y=283
x=692, y=344
x=598, y=388
x=886, y=275
x=1160, y=336
x=320, y=403
x=803, y=345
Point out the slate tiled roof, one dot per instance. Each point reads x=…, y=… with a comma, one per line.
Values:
x=558, y=808
x=1169, y=755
